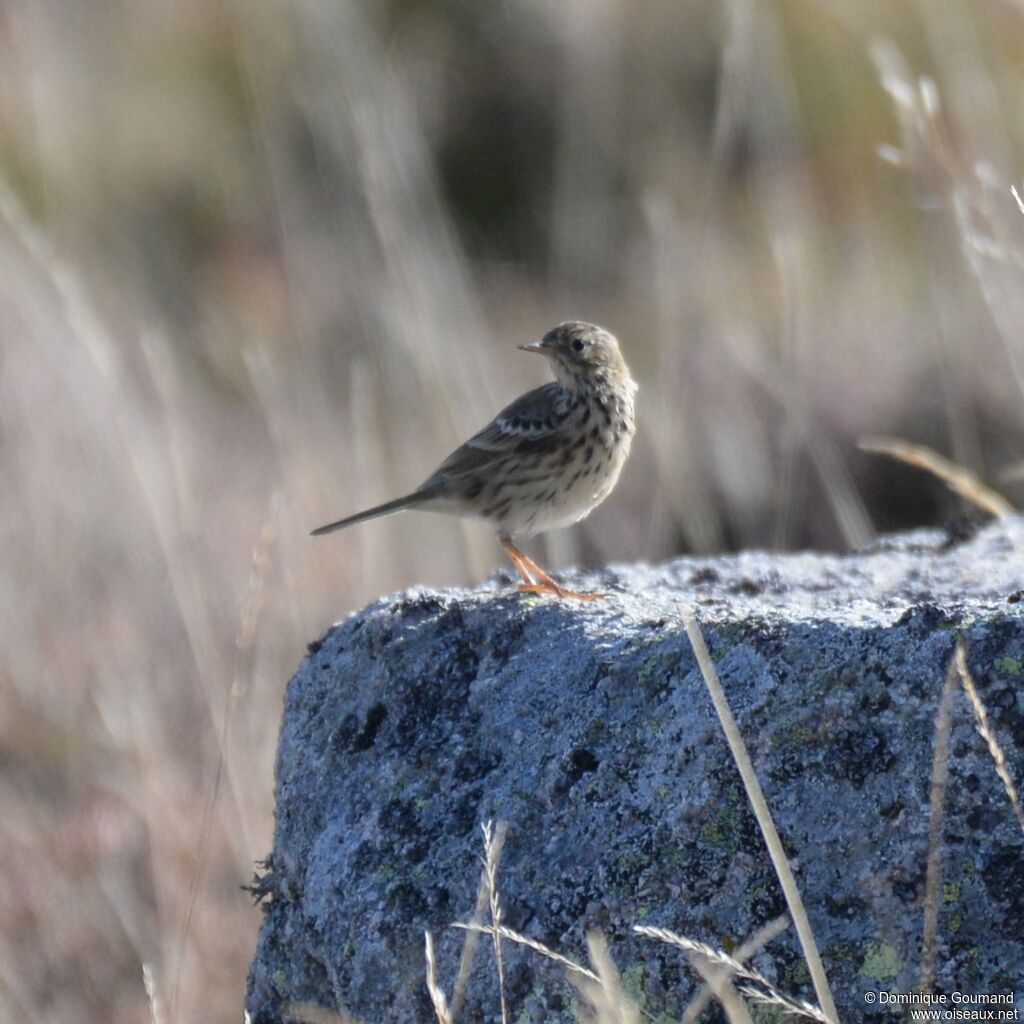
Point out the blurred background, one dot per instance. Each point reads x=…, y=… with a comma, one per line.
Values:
x=264, y=264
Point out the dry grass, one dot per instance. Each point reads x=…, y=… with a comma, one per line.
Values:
x=755, y=797
x=758, y=941
x=437, y=997
x=955, y=477
x=504, y=932
x=486, y=897
x=936, y=814
x=724, y=967
x=605, y=1002
x=988, y=734
x=494, y=840
x=262, y=264
x=602, y=997
x=957, y=671
x=602, y=1001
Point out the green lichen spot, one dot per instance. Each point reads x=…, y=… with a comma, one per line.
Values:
x=950, y=892
x=796, y=975
x=762, y=1013
x=794, y=736
x=722, y=829
x=847, y=951
x=633, y=983
x=1009, y=665
x=647, y=677
x=726, y=636
x=632, y=862
x=881, y=961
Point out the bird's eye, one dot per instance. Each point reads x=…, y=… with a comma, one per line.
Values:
x=577, y=345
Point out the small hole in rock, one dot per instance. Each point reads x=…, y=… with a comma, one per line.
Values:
x=374, y=719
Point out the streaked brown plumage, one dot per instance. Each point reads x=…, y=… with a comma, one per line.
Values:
x=545, y=461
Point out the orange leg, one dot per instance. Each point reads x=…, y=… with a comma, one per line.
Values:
x=531, y=571
x=518, y=560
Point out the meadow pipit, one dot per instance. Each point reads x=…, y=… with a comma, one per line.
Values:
x=545, y=461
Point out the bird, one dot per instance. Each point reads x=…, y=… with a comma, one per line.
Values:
x=545, y=461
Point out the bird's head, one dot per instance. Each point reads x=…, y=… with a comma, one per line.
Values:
x=581, y=353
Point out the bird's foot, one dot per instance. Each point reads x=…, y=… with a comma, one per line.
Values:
x=549, y=586
x=536, y=580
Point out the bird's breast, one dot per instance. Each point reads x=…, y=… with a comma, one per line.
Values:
x=574, y=477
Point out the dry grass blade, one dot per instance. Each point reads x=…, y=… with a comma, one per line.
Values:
x=936, y=811
x=850, y=513
x=956, y=478
x=469, y=949
x=764, y=820
x=437, y=996
x=773, y=997
x=604, y=1001
x=743, y=952
x=720, y=983
x=251, y=610
x=156, y=1015
x=981, y=718
x=494, y=840
x=769, y=994
x=523, y=940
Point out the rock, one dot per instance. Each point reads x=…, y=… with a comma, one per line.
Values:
x=588, y=730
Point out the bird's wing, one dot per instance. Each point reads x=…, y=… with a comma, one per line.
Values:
x=532, y=423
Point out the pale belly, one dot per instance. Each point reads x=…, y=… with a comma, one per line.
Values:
x=561, y=500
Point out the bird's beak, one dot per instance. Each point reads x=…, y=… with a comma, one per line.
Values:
x=535, y=346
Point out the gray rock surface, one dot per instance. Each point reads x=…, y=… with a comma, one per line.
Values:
x=588, y=729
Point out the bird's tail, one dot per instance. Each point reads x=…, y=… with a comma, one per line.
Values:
x=387, y=509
